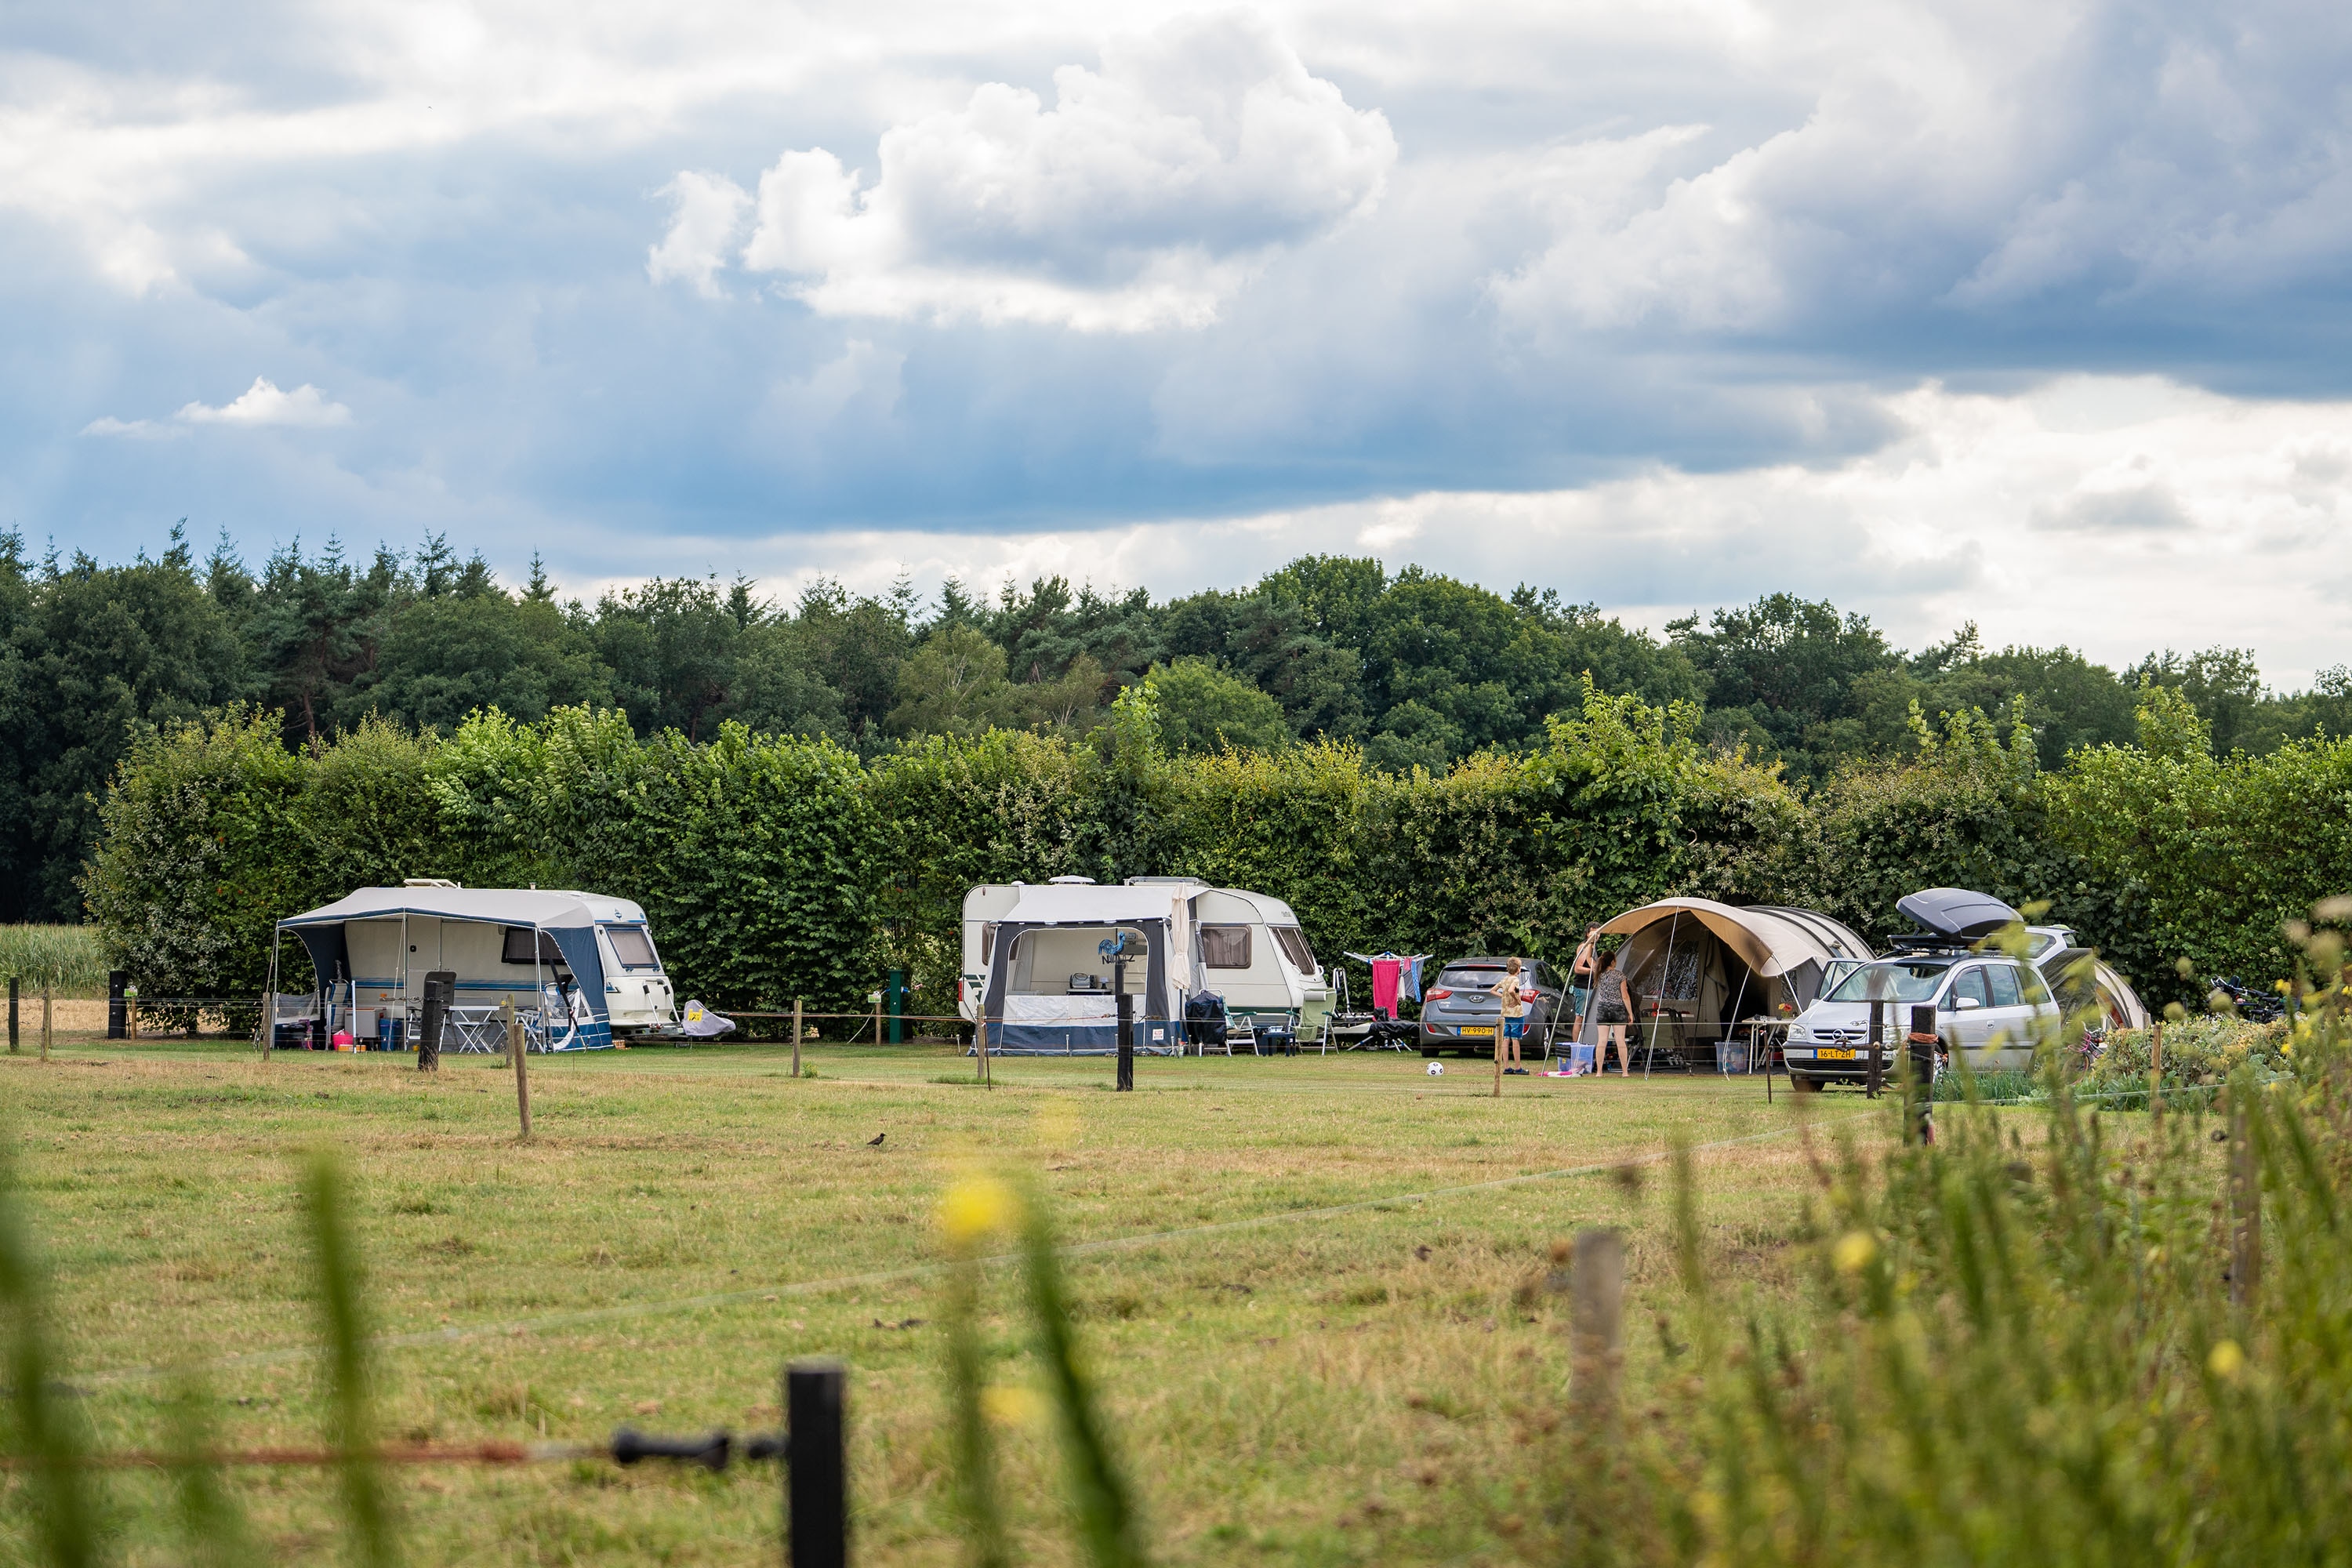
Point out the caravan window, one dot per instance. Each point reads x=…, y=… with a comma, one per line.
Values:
x=1294, y=948
x=517, y=948
x=1224, y=947
x=633, y=947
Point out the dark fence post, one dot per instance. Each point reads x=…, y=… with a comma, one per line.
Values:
x=2245, y=1207
x=117, y=1014
x=11, y=1015
x=1919, y=1076
x=816, y=1472
x=1126, y=1007
x=1878, y=1011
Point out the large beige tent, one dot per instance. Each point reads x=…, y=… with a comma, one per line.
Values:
x=1697, y=969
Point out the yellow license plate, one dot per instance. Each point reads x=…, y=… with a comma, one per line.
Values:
x=1836, y=1052
x=1487, y=1030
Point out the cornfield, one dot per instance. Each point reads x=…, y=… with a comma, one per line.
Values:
x=69, y=957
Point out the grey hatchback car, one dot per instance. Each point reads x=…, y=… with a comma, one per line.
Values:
x=1459, y=1010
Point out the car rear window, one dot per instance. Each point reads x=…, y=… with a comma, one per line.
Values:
x=2004, y=986
x=1476, y=978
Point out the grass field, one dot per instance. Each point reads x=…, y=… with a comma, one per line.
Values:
x=1351, y=1386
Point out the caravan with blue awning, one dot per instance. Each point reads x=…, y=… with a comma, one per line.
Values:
x=580, y=968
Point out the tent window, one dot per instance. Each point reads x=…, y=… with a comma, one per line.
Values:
x=987, y=944
x=518, y=947
x=633, y=947
x=1294, y=947
x=1224, y=947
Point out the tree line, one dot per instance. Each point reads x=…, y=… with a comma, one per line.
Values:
x=1412, y=669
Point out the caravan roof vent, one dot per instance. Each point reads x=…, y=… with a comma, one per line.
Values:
x=427, y=882
x=1957, y=913
x=1069, y=882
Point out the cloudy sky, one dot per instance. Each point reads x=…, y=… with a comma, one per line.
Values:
x=2034, y=314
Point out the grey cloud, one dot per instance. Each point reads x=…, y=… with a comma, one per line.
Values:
x=2137, y=509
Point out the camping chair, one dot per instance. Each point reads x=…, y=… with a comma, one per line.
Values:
x=473, y=1031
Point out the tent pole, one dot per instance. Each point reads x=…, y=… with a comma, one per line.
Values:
x=269, y=1020
x=1665, y=977
x=403, y=982
x=1733, y=1023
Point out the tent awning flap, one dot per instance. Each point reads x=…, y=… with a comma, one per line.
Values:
x=1771, y=942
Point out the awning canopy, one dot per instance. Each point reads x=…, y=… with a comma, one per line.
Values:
x=548, y=910
x=1066, y=905
x=567, y=916
x=1770, y=939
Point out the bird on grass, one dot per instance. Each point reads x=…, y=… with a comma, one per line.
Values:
x=876, y=1142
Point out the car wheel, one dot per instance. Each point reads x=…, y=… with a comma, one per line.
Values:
x=1430, y=1051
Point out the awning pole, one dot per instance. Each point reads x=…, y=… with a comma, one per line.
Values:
x=270, y=1010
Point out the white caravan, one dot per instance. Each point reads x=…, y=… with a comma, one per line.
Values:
x=1246, y=947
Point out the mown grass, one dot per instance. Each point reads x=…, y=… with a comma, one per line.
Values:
x=1348, y=1386
x=69, y=957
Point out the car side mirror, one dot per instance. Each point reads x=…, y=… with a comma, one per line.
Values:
x=1965, y=1002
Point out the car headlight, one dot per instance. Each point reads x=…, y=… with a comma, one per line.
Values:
x=1799, y=1032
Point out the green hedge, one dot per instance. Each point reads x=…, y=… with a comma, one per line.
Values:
x=775, y=867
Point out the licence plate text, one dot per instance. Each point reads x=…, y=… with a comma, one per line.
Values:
x=1488, y=1030
x=1837, y=1053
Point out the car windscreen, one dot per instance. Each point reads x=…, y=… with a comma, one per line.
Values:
x=1468, y=979
x=633, y=947
x=1912, y=980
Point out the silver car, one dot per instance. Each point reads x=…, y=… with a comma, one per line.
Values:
x=1459, y=1011
x=1990, y=1011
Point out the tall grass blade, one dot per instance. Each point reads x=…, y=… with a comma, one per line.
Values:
x=975, y=1452
x=1108, y=1526
x=39, y=1430
x=369, y=1514
x=209, y=1515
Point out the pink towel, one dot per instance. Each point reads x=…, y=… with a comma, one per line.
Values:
x=1384, y=985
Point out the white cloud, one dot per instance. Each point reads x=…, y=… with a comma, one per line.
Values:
x=263, y=402
x=706, y=215
x=1141, y=199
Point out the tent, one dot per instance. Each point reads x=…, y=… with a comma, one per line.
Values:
x=1048, y=988
x=538, y=949
x=1698, y=968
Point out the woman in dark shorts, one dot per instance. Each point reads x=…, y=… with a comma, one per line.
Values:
x=1615, y=1013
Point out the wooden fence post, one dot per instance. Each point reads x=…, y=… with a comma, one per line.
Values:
x=11, y=1015
x=2245, y=1209
x=45, y=1017
x=519, y=1055
x=878, y=1017
x=1596, y=1289
x=796, y=1037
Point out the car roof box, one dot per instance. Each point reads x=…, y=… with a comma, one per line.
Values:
x=1957, y=913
